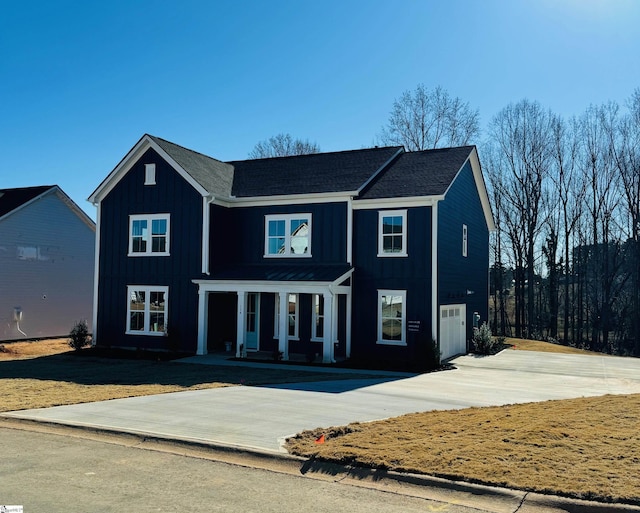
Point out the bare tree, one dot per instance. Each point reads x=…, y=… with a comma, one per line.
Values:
x=522, y=133
x=283, y=145
x=568, y=193
x=423, y=119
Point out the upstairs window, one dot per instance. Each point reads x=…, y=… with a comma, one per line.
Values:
x=288, y=235
x=149, y=235
x=392, y=233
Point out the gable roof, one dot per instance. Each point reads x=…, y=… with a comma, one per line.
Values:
x=419, y=173
x=214, y=176
x=317, y=173
x=11, y=199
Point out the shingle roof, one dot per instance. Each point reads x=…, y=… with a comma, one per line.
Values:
x=309, y=174
x=10, y=199
x=215, y=176
x=419, y=173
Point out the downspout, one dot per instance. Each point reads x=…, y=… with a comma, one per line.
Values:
x=206, y=221
x=96, y=278
x=434, y=273
x=350, y=231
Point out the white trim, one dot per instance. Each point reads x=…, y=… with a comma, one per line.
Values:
x=131, y=159
x=147, y=289
x=315, y=317
x=381, y=203
x=382, y=214
x=403, y=335
x=276, y=324
x=96, y=277
x=149, y=174
x=350, y=231
x=286, y=199
x=206, y=228
x=434, y=273
x=149, y=236
x=288, y=236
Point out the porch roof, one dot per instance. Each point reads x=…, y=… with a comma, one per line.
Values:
x=277, y=272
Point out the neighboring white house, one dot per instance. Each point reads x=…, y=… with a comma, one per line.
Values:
x=47, y=246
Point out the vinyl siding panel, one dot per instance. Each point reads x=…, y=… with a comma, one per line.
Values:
x=173, y=195
x=53, y=282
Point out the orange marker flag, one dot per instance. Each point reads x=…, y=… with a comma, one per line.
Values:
x=320, y=439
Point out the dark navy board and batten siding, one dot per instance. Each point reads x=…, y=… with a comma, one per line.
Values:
x=372, y=273
x=237, y=235
x=173, y=195
x=459, y=275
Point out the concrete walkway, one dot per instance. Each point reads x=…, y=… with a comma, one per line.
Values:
x=262, y=417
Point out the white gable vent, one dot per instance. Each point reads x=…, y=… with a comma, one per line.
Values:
x=149, y=174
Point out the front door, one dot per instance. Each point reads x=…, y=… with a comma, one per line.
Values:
x=453, y=333
x=253, y=321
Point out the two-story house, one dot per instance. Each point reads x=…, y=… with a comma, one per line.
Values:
x=361, y=254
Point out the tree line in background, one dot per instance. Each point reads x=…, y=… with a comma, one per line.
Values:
x=565, y=194
x=566, y=200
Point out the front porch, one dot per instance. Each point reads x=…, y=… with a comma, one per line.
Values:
x=291, y=320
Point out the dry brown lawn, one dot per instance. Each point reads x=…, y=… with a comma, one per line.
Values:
x=587, y=448
x=46, y=373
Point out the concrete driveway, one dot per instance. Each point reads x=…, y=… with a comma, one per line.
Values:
x=262, y=417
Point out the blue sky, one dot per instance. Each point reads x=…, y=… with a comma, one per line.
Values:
x=81, y=82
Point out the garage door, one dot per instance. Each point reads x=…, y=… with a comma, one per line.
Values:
x=452, y=330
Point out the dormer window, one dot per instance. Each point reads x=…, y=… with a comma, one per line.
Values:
x=149, y=174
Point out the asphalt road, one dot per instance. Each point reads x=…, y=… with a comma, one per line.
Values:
x=50, y=473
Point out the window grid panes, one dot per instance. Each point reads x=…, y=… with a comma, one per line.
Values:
x=392, y=233
x=147, y=310
x=391, y=317
x=149, y=235
x=288, y=235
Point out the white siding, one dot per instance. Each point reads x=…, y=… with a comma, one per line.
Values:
x=46, y=269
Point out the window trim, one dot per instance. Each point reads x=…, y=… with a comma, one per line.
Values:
x=465, y=240
x=149, y=237
x=147, y=289
x=403, y=339
x=276, y=321
x=392, y=213
x=315, y=317
x=287, y=218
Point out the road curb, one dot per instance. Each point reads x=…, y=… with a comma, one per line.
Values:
x=482, y=497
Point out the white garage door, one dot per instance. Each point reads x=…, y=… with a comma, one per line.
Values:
x=452, y=330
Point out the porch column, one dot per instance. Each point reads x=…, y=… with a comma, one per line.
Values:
x=203, y=318
x=283, y=325
x=241, y=320
x=348, y=326
x=327, y=329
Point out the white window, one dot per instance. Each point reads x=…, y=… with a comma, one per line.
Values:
x=392, y=317
x=464, y=240
x=287, y=235
x=149, y=235
x=147, y=310
x=317, y=317
x=292, y=318
x=149, y=174
x=392, y=233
